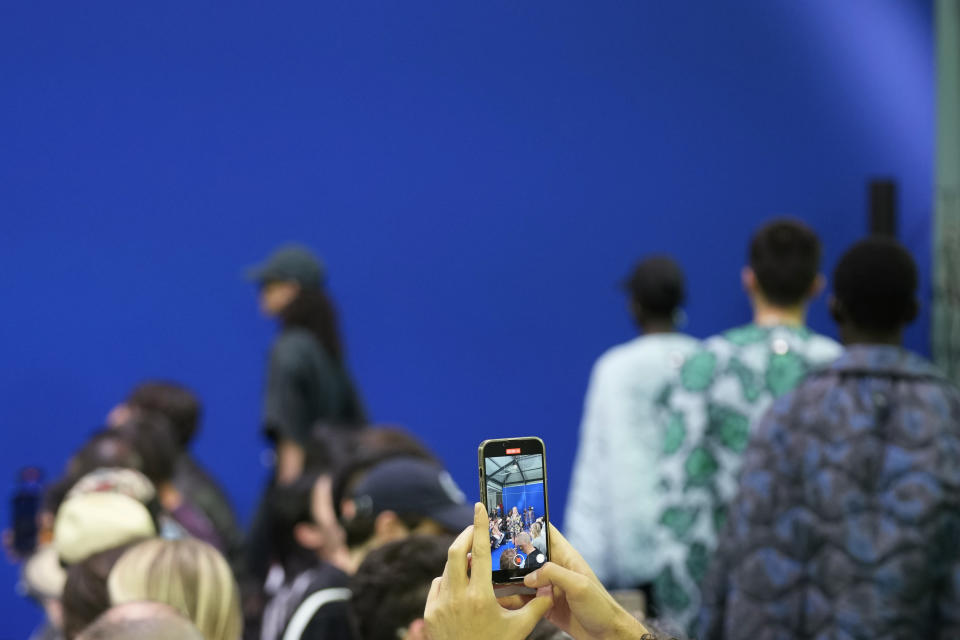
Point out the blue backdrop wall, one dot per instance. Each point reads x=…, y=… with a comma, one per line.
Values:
x=523, y=496
x=478, y=177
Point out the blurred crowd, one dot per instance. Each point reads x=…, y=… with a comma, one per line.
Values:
x=767, y=482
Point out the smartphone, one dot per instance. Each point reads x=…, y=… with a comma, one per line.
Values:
x=24, y=507
x=513, y=487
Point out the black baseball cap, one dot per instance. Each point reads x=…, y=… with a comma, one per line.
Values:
x=292, y=262
x=413, y=486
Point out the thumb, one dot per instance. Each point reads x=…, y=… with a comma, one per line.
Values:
x=532, y=612
x=553, y=574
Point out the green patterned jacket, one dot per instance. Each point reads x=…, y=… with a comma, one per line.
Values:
x=707, y=414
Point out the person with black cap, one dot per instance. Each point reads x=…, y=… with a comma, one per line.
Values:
x=307, y=378
x=307, y=384
x=390, y=501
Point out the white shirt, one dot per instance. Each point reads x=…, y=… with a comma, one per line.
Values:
x=612, y=507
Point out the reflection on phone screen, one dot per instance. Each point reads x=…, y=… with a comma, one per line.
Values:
x=514, y=500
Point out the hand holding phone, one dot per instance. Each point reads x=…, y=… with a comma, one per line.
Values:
x=513, y=487
x=462, y=605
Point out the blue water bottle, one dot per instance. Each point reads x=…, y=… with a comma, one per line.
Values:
x=25, y=506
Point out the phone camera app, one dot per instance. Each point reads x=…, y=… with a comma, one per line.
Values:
x=516, y=506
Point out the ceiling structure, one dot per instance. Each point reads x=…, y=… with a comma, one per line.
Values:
x=514, y=470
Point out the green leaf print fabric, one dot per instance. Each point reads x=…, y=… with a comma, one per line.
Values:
x=707, y=413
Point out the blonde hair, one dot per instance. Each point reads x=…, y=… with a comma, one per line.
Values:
x=189, y=575
x=535, y=529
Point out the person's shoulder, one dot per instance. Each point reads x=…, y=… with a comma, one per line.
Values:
x=327, y=576
x=294, y=338
x=299, y=347
x=779, y=426
x=818, y=347
x=642, y=348
x=939, y=397
x=614, y=362
x=722, y=347
x=321, y=610
x=618, y=352
x=742, y=336
x=698, y=365
x=678, y=342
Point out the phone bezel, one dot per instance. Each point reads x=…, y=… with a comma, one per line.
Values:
x=496, y=447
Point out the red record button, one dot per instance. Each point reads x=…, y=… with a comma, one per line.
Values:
x=511, y=452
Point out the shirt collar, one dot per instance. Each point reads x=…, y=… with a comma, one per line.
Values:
x=880, y=359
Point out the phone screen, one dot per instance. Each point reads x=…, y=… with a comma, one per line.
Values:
x=514, y=490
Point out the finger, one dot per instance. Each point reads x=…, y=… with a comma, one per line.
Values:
x=433, y=597
x=481, y=562
x=514, y=602
x=570, y=582
x=528, y=617
x=455, y=572
x=563, y=554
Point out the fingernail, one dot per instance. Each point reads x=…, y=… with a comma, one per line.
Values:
x=531, y=578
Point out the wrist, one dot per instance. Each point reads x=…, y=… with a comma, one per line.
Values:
x=626, y=627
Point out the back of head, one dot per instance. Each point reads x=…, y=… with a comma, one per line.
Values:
x=370, y=447
x=85, y=595
x=141, y=621
x=391, y=440
x=535, y=529
x=507, y=559
x=785, y=258
x=152, y=437
x=189, y=575
x=656, y=286
x=173, y=401
x=390, y=588
x=106, y=448
x=875, y=285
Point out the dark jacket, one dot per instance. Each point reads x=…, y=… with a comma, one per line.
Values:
x=313, y=607
x=205, y=493
x=306, y=386
x=847, y=522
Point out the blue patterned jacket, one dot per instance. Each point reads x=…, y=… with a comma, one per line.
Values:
x=847, y=521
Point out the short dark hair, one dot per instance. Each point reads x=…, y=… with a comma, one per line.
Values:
x=876, y=283
x=391, y=586
x=656, y=285
x=290, y=505
x=85, y=594
x=785, y=258
x=104, y=448
x=180, y=405
x=152, y=438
